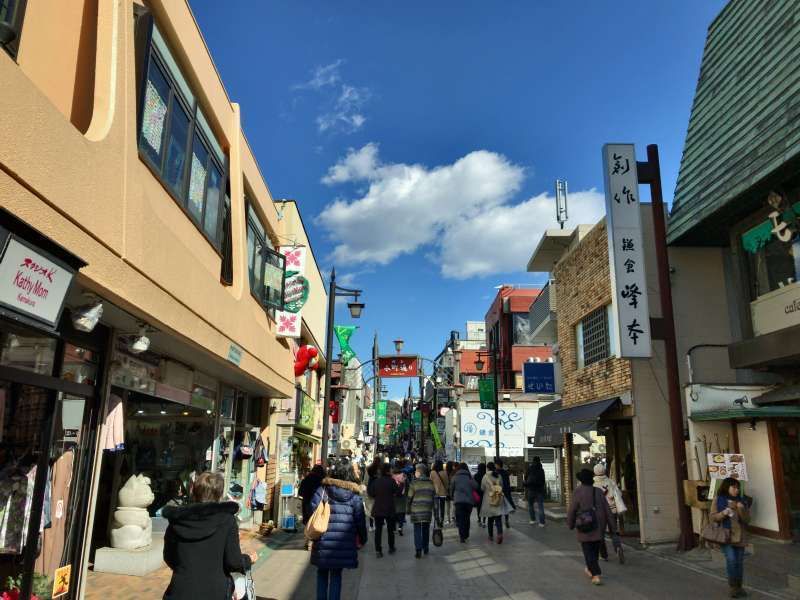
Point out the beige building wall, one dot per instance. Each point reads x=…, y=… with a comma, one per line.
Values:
x=83, y=184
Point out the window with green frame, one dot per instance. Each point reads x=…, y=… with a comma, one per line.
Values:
x=265, y=266
x=175, y=139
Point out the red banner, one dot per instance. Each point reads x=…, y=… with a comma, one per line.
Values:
x=398, y=366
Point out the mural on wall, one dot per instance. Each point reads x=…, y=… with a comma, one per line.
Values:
x=477, y=430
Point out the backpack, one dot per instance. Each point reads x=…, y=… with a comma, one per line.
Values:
x=496, y=495
x=586, y=520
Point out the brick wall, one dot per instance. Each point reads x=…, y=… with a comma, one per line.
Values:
x=582, y=286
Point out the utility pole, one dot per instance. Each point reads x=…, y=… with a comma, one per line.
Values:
x=650, y=173
x=495, y=358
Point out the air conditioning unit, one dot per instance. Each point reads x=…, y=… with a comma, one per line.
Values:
x=346, y=444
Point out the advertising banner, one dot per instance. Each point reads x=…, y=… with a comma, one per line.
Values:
x=295, y=292
x=398, y=366
x=478, y=431
x=626, y=251
x=721, y=466
x=486, y=393
x=539, y=378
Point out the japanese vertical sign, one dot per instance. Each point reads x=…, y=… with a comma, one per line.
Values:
x=486, y=393
x=380, y=415
x=626, y=251
x=295, y=293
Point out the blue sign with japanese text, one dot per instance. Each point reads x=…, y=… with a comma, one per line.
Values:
x=539, y=378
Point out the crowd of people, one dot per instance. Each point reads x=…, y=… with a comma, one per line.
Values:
x=202, y=544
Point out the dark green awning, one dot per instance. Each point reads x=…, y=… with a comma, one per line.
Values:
x=746, y=413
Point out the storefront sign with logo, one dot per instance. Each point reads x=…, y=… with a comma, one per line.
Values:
x=539, y=378
x=478, y=431
x=32, y=283
x=398, y=366
x=486, y=393
x=295, y=294
x=369, y=415
x=235, y=354
x=305, y=418
x=776, y=310
x=626, y=251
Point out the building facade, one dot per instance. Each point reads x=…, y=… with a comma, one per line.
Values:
x=141, y=276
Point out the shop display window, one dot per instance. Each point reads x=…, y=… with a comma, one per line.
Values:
x=30, y=353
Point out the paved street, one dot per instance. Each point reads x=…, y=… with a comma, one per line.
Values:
x=531, y=564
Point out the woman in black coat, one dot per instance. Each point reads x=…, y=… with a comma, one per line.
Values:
x=336, y=549
x=384, y=490
x=201, y=544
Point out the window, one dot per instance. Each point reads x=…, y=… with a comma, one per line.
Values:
x=176, y=141
x=12, y=13
x=592, y=338
x=265, y=266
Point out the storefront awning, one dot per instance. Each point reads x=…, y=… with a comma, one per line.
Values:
x=305, y=437
x=733, y=414
x=556, y=421
x=784, y=393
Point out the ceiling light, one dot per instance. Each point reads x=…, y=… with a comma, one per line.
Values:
x=85, y=318
x=141, y=343
x=163, y=409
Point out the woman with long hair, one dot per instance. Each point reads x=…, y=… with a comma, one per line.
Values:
x=731, y=510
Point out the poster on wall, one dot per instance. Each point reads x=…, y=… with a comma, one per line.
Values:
x=722, y=466
x=295, y=294
x=626, y=251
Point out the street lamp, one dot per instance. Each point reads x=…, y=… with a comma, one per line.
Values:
x=398, y=345
x=356, y=307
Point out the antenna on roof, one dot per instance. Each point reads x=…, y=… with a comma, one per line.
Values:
x=561, y=202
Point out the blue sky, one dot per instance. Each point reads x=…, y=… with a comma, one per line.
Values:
x=421, y=139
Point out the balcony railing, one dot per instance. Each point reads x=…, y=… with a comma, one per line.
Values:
x=543, y=310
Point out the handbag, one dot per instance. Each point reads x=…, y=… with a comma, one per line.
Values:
x=438, y=537
x=716, y=533
x=476, y=497
x=318, y=522
x=586, y=520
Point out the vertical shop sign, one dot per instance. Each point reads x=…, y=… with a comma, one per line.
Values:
x=626, y=252
x=295, y=293
x=380, y=415
x=486, y=393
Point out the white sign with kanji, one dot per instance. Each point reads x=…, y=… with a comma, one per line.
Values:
x=626, y=251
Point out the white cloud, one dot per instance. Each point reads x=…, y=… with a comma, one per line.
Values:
x=342, y=110
x=461, y=211
x=322, y=76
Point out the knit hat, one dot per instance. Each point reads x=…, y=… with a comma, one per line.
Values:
x=599, y=469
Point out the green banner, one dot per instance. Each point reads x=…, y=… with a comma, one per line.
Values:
x=343, y=334
x=435, y=435
x=417, y=416
x=486, y=393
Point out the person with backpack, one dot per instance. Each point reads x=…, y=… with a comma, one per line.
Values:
x=535, y=486
x=384, y=491
x=493, y=499
x=614, y=498
x=420, y=505
x=590, y=515
x=463, y=490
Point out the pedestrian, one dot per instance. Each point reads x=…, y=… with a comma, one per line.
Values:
x=614, y=498
x=441, y=486
x=372, y=473
x=492, y=505
x=590, y=514
x=306, y=491
x=505, y=476
x=420, y=506
x=201, y=544
x=462, y=490
x=731, y=510
x=451, y=468
x=337, y=548
x=384, y=490
x=535, y=488
x=479, y=475
x=401, y=499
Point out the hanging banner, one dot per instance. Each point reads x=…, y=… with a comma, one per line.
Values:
x=626, y=252
x=295, y=293
x=435, y=434
x=417, y=417
x=343, y=334
x=398, y=366
x=486, y=393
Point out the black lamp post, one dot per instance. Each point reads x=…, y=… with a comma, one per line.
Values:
x=479, y=364
x=356, y=308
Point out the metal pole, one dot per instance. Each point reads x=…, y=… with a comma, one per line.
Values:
x=495, y=358
x=421, y=415
x=328, y=364
x=652, y=176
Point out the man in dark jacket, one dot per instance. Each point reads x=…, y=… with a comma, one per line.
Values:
x=505, y=477
x=535, y=488
x=462, y=488
x=201, y=544
x=384, y=490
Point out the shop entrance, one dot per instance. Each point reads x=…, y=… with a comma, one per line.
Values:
x=48, y=421
x=789, y=443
